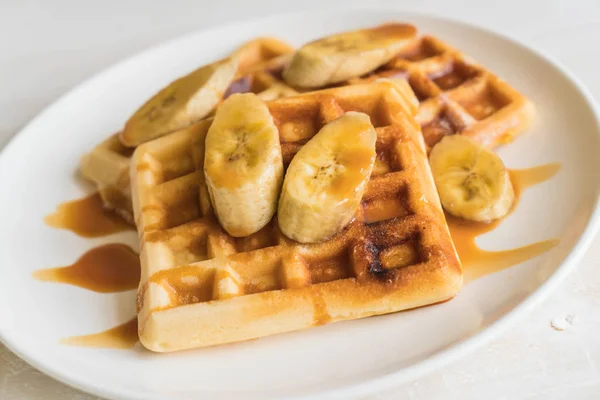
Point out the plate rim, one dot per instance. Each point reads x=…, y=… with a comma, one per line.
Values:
x=386, y=380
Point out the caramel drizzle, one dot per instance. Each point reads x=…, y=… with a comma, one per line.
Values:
x=123, y=336
x=478, y=262
x=108, y=268
x=87, y=217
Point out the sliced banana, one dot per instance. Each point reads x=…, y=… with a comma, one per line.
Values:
x=243, y=164
x=326, y=179
x=346, y=55
x=471, y=180
x=185, y=101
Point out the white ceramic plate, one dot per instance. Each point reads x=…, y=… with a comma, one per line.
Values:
x=37, y=172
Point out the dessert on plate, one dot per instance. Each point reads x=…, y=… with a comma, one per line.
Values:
x=107, y=165
x=279, y=189
x=201, y=286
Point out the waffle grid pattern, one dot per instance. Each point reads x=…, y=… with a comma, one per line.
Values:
x=200, y=286
x=107, y=165
x=456, y=95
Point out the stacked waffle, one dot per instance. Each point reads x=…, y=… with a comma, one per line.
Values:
x=251, y=68
x=205, y=283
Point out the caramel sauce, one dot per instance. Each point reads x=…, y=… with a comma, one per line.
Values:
x=115, y=199
x=478, y=262
x=525, y=178
x=354, y=154
x=356, y=162
x=106, y=269
x=123, y=336
x=87, y=217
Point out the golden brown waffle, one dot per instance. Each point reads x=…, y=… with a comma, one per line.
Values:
x=457, y=95
x=260, y=64
x=107, y=165
x=201, y=287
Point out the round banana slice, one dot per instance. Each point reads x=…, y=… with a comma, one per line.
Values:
x=243, y=164
x=471, y=180
x=185, y=101
x=326, y=179
x=346, y=55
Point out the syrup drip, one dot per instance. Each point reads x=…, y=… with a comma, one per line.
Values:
x=123, y=336
x=478, y=262
x=108, y=268
x=87, y=217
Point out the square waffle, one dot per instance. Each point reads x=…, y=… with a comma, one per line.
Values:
x=201, y=287
x=107, y=165
x=457, y=95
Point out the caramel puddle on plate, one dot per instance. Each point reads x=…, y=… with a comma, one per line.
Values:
x=87, y=217
x=478, y=262
x=123, y=336
x=108, y=268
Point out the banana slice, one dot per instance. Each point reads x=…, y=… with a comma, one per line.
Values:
x=326, y=179
x=346, y=55
x=185, y=101
x=471, y=180
x=243, y=164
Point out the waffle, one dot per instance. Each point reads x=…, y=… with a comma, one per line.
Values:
x=457, y=95
x=201, y=287
x=107, y=165
x=260, y=64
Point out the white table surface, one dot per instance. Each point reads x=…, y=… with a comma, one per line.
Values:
x=48, y=47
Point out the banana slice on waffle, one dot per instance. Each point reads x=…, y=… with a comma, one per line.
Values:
x=471, y=180
x=243, y=165
x=185, y=101
x=346, y=55
x=326, y=180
